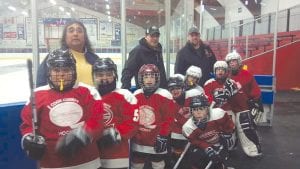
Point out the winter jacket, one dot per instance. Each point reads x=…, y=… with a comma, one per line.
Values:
x=140, y=55
x=188, y=56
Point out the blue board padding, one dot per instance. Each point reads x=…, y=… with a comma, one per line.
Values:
x=264, y=80
x=11, y=154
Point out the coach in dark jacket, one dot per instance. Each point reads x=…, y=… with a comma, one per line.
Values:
x=148, y=51
x=196, y=53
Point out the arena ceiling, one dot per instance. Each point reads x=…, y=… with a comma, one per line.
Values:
x=138, y=12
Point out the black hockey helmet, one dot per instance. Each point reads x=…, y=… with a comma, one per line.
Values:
x=199, y=101
x=105, y=86
x=61, y=59
x=105, y=64
x=177, y=80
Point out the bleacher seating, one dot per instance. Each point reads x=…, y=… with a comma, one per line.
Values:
x=257, y=44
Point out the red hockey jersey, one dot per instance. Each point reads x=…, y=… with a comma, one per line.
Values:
x=248, y=83
x=219, y=122
x=121, y=112
x=236, y=103
x=183, y=113
x=156, y=115
x=60, y=112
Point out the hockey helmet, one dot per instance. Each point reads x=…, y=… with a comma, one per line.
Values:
x=234, y=56
x=192, y=77
x=57, y=60
x=177, y=80
x=194, y=71
x=101, y=66
x=149, y=70
x=200, y=102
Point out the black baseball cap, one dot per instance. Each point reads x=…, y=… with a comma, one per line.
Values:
x=152, y=30
x=194, y=30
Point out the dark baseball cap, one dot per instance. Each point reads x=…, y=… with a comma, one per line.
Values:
x=152, y=30
x=194, y=30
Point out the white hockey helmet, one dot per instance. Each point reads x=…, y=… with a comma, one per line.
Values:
x=220, y=64
x=194, y=71
x=232, y=56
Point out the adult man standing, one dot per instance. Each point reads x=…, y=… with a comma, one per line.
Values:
x=74, y=38
x=148, y=51
x=196, y=53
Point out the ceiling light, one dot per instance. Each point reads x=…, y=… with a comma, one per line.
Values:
x=246, y=2
x=52, y=2
x=107, y=6
x=24, y=13
x=12, y=8
x=73, y=9
x=68, y=13
x=108, y=12
x=214, y=9
x=61, y=8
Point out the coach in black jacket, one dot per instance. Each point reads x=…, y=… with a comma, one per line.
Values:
x=196, y=53
x=148, y=51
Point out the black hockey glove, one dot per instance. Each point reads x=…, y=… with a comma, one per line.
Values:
x=231, y=86
x=213, y=155
x=221, y=96
x=160, y=144
x=227, y=140
x=35, y=149
x=257, y=109
x=68, y=145
x=110, y=137
x=256, y=104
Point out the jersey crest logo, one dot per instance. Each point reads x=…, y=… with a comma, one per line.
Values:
x=147, y=117
x=65, y=113
x=107, y=114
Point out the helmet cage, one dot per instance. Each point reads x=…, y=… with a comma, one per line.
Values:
x=175, y=82
x=61, y=59
x=104, y=65
x=149, y=70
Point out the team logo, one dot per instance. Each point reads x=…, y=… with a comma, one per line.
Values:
x=65, y=114
x=108, y=114
x=147, y=117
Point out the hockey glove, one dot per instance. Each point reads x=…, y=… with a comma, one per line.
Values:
x=68, y=145
x=257, y=104
x=221, y=96
x=35, y=149
x=160, y=144
x=213, y=155
x=257, y=109
x=231, y=86
x=228, y=140
x=110, y=137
